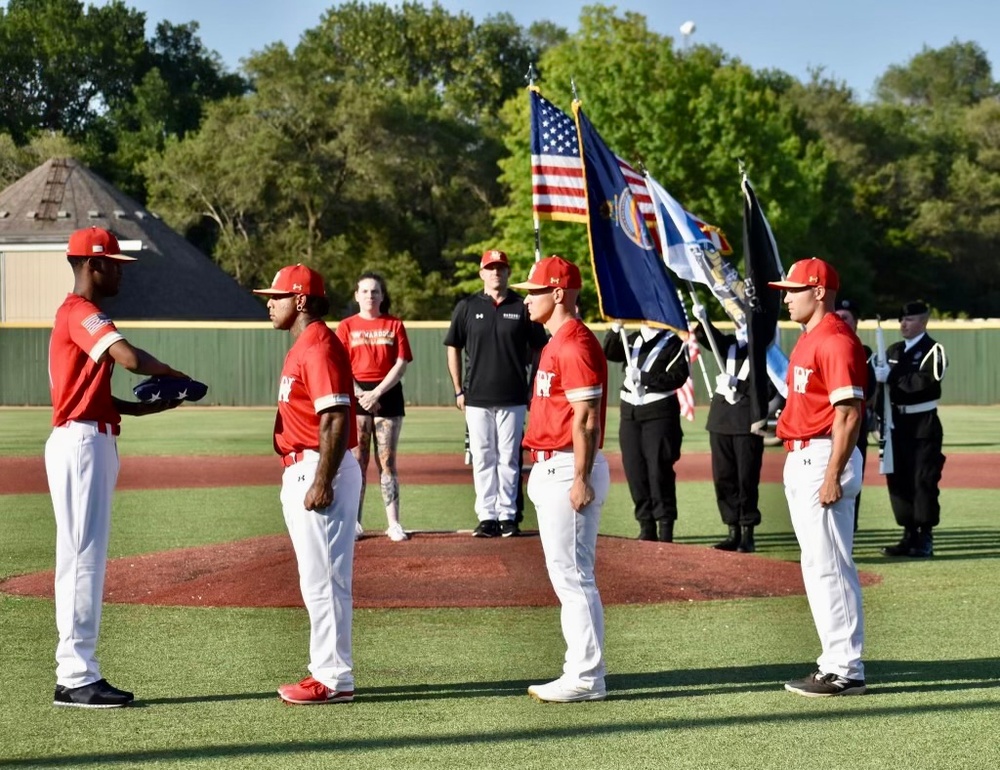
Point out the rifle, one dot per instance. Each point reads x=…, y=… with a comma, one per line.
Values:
x=885, y=459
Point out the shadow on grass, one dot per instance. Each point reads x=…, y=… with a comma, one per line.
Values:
x=898, y=676
x=950, y=544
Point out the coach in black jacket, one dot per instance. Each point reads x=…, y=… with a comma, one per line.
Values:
x=649, y=433
x=737, y=453
x=913, y=374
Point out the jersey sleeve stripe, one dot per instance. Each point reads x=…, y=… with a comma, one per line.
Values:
x=102, y=345
x=334, y=399
x=585, y=394
x=846, y=393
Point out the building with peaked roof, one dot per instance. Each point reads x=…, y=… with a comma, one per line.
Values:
x=172, y=280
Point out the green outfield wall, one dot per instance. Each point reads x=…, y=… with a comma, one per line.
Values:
x=241, y=361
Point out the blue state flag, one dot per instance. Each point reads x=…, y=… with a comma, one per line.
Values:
x=632, y=281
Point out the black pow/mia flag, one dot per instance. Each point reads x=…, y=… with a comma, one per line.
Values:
x=762, y=264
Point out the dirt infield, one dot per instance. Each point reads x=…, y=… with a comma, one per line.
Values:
x=434, y=570
x=431, y=570
x=26, y=475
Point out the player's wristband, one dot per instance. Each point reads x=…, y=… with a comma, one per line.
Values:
x=460, y=393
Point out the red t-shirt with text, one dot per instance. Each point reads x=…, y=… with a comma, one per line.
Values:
x=374, y=345
x=572, y=368
x=827, y=366
x=316, y=376
x=79, y=370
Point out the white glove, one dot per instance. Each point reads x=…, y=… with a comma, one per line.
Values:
x=616, y=326
x=629, y=385
x=698, y=311
x=633, y=373
x=881, y=373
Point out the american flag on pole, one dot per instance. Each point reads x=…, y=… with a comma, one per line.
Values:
x=685, y=395
x=557, y=187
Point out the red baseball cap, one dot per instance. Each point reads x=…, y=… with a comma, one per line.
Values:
x=552, y=273
x=296, y=279
x=95, y=242
x=809, y=272
x=493, y=257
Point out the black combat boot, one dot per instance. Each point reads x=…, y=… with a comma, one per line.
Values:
x=732, y=542
x=747, y=544
x=922, y=546
x=666, y=531
x=902, y=548
x=647, y=530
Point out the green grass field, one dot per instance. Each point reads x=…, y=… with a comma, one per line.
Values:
x=694, y=685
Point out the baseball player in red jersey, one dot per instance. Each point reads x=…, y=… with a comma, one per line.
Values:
x=81, y=458
x=314, y=432
x=827, y=374
x=569, y=480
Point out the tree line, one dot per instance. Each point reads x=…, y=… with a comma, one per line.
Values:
x=396, y=138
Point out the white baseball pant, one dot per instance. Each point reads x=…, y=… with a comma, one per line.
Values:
x=826, y=537
x=81, y=462
x=324, y=549
x=569, y=540
x=495, y=442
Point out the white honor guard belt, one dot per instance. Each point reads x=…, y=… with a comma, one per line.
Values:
x=927, y=406
x=646, y=398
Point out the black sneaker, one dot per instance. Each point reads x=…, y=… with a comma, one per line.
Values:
x=488, y=528
x=820, y=685
x=98, y=695
x=509, y=528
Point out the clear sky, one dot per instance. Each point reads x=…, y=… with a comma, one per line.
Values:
x=853, y=40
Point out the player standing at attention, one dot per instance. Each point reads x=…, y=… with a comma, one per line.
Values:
x=81, y=458
x=827, y=375
x=569, y=480
x=379, y=351
x=314, y=432
x=500, y=342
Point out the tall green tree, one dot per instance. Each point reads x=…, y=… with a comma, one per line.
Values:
x=61, y=64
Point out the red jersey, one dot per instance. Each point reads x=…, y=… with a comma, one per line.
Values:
x=827, y=366
x=572, y=368
x=316, y=376
x=79, y=372
x=374, y=345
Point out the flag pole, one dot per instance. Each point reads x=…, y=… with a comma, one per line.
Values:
x=711, y=340
x=529, y=77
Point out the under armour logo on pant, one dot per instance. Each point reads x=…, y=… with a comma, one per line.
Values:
x=551, y=471
x=302, y=478
x=807, y=461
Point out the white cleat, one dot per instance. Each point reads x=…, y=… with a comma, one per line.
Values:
x=560, y=692
x=396, y=533
x=359, y=531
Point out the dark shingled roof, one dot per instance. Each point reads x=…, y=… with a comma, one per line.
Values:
x=171, y=280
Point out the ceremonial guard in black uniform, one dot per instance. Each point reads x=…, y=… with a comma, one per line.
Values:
x=912, y=375
x=736, y=452
x=850, y=314
x=649, y=433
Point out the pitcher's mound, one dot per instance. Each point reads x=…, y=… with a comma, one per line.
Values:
x=434, y=570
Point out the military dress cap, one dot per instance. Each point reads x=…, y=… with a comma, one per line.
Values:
x=851, y=307
x=913, y=308
x=170, y=389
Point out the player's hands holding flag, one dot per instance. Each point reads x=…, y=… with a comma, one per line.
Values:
x=881, y=372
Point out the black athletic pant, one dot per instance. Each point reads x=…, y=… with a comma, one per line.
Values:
x=736, y=462
x=649, y=450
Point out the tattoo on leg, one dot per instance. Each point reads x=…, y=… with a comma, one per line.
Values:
x=387, y=431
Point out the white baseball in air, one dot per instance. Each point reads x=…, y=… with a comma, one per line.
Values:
x=687, y=28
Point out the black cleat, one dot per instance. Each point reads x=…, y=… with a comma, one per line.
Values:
x=488, y=528
x=509, y=528
x=819, y=685
x=902, y=548
x=98, y=695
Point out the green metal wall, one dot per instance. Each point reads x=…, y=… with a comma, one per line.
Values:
x=241, y=362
